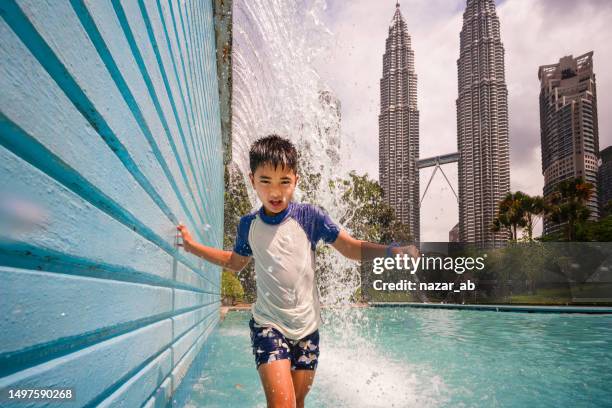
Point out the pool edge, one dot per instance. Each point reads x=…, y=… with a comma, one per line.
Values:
x=501, y=308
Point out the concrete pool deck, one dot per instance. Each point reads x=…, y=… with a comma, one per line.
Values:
x=501, y=308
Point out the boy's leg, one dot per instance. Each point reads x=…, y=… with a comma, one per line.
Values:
x=277, y=383
x=304, y=360
x=273, y=361
x=302, y=382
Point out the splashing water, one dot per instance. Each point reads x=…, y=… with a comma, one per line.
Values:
x=277, y=90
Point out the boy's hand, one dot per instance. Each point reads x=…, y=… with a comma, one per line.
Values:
x=411, y=250
x=185, y=234
x=229, y=260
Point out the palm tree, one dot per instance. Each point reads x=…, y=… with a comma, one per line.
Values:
x=568, y=204
x=533, y=207
x=510, y=214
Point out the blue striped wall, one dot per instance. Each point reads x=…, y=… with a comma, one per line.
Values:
x=109, y=136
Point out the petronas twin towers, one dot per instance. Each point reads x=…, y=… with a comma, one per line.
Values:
x=398, y=127
x=482, y=125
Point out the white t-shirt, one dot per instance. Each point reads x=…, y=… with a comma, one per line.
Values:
x=283, y=246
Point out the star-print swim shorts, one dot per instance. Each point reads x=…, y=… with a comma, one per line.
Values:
x=270, y=345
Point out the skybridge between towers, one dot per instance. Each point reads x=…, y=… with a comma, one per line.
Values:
x=437, y=162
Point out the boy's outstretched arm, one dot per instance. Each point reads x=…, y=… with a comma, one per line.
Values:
x=229, y=260
x=363, y=250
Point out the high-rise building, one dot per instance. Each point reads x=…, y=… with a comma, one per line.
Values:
x=482, y=125
x=604, y=180
x=453, y=234
x=399, y=126
x=568, y=126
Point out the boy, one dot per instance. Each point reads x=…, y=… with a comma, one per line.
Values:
x=282, y=236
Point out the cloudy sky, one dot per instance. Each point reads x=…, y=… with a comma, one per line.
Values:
x=534, y=33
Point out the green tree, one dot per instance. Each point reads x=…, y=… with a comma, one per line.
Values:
x=231, y=289
x=511, y=214
x=567, y=205
x=600, y=230
x=606, y=209
x=533, y=208
x=369, y=217
x=237, y=204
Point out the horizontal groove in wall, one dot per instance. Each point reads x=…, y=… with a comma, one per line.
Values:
x=23, y=359
x=105, y=55
x=28, y=34
x=190, y=328
x=109, y=391
x=16, y=140
x=197, y=45
x=136, y=389
x=142, y=99
x=24, y=256
x=181, y=368
x=166, y=83
x=187, y=61
x=196, y=147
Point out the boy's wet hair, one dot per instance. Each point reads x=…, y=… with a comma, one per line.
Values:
x=273, y=150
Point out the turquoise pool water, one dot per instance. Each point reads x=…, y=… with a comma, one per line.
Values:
x=407, y=357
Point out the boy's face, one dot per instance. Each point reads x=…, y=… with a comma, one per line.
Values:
x=274, y=186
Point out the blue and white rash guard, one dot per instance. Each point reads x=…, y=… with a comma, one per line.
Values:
x=283, y=246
